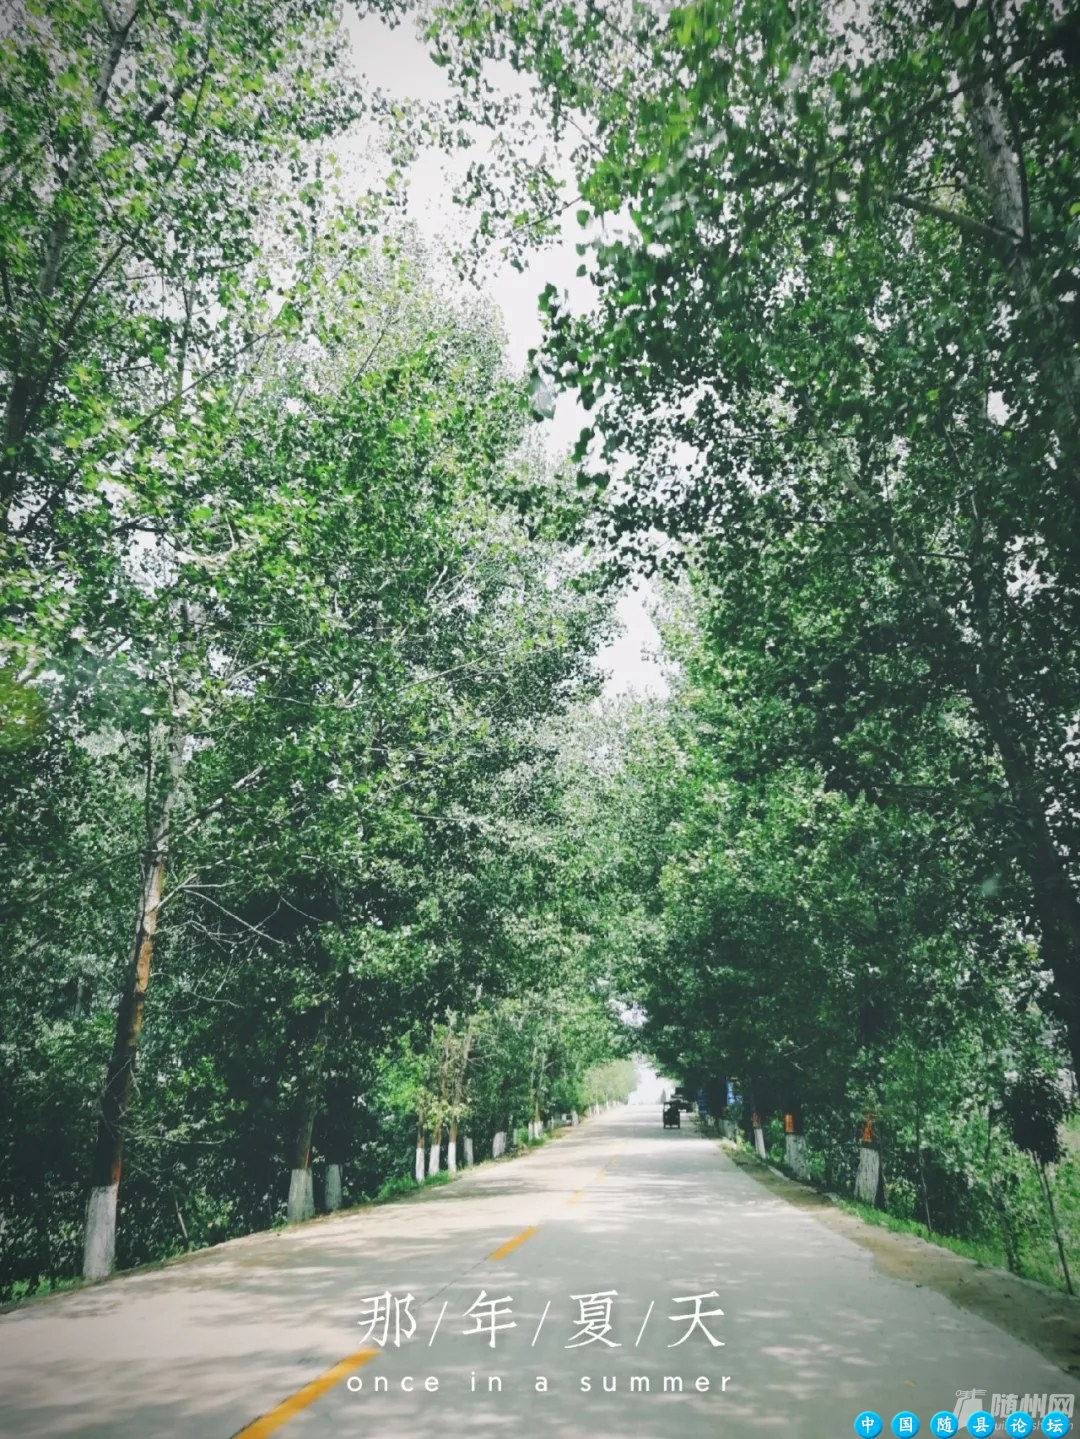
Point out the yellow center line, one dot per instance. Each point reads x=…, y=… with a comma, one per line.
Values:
x=288, y=1408
x=576, y=1197
x=512, y=1244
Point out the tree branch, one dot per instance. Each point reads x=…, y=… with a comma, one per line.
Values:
x=991, y=234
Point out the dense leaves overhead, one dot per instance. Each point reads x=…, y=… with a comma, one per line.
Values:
x=833, y=358
x=318, y=854
x=283, y=816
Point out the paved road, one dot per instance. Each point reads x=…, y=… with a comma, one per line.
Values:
x=269, y=1326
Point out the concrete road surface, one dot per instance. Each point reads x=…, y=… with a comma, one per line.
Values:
x=552, y=1294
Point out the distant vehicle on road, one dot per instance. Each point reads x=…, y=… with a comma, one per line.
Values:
x=682, y=1099
x=672, y=1116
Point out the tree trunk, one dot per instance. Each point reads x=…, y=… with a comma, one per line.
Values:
x=435, y=1152
x=99, y=1242
x=795, y=1154
x=1002, y=168
x=457, y=1094
x=301, y=1203
x=868, y=1176
x=337, y=1117
x=1056, y=903
x=868, y=1181
x=1055, y=900
x=759, y=1138
x=333, y=1188
x=301, y=1193
x=922, y=1169
x=1041, y=1168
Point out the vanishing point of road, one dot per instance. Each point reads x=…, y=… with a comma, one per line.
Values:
x=584, y=1261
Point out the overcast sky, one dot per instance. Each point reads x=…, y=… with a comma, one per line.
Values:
x=396, y=61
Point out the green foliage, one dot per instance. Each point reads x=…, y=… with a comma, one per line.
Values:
x=274, y=622
x=832, y=357
x=1035, y=1108
x=398, y=1185
x=297, y=619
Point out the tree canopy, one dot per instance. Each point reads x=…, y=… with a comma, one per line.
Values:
x=321, y=854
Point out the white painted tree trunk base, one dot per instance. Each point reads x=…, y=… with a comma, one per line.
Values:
x=468, y=1149
x=418, y=1167
x=759, y=1142
x=333, y=1187
x=434, y=1159
x=869, y=1173
x=574, y=1117
x=99, y=1241
x=498, y=1145
x=301, y=1197
x=451, y=1157
x=798, y=1161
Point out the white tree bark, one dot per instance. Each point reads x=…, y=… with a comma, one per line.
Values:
x=468, y=1149
x=798, y=1161
x=333, y=1187
x=759, y=1142
x=434, y=1158
x=301, y=1197
x=498, y=1144
x=866, y=1180
x=99, y=1247
x=451, y=1157
x=418, y=1168
x=1001, y=167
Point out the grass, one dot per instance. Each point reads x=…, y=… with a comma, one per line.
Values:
x=982, y=1251
x=27, y=1288
x=1038, y=1257
x=399, y=1184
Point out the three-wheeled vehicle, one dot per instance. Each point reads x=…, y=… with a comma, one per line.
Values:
x=672, y=1116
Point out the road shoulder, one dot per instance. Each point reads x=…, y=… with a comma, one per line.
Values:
x=1043, y=1318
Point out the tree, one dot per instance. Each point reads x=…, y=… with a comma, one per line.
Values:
x=836, y=350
